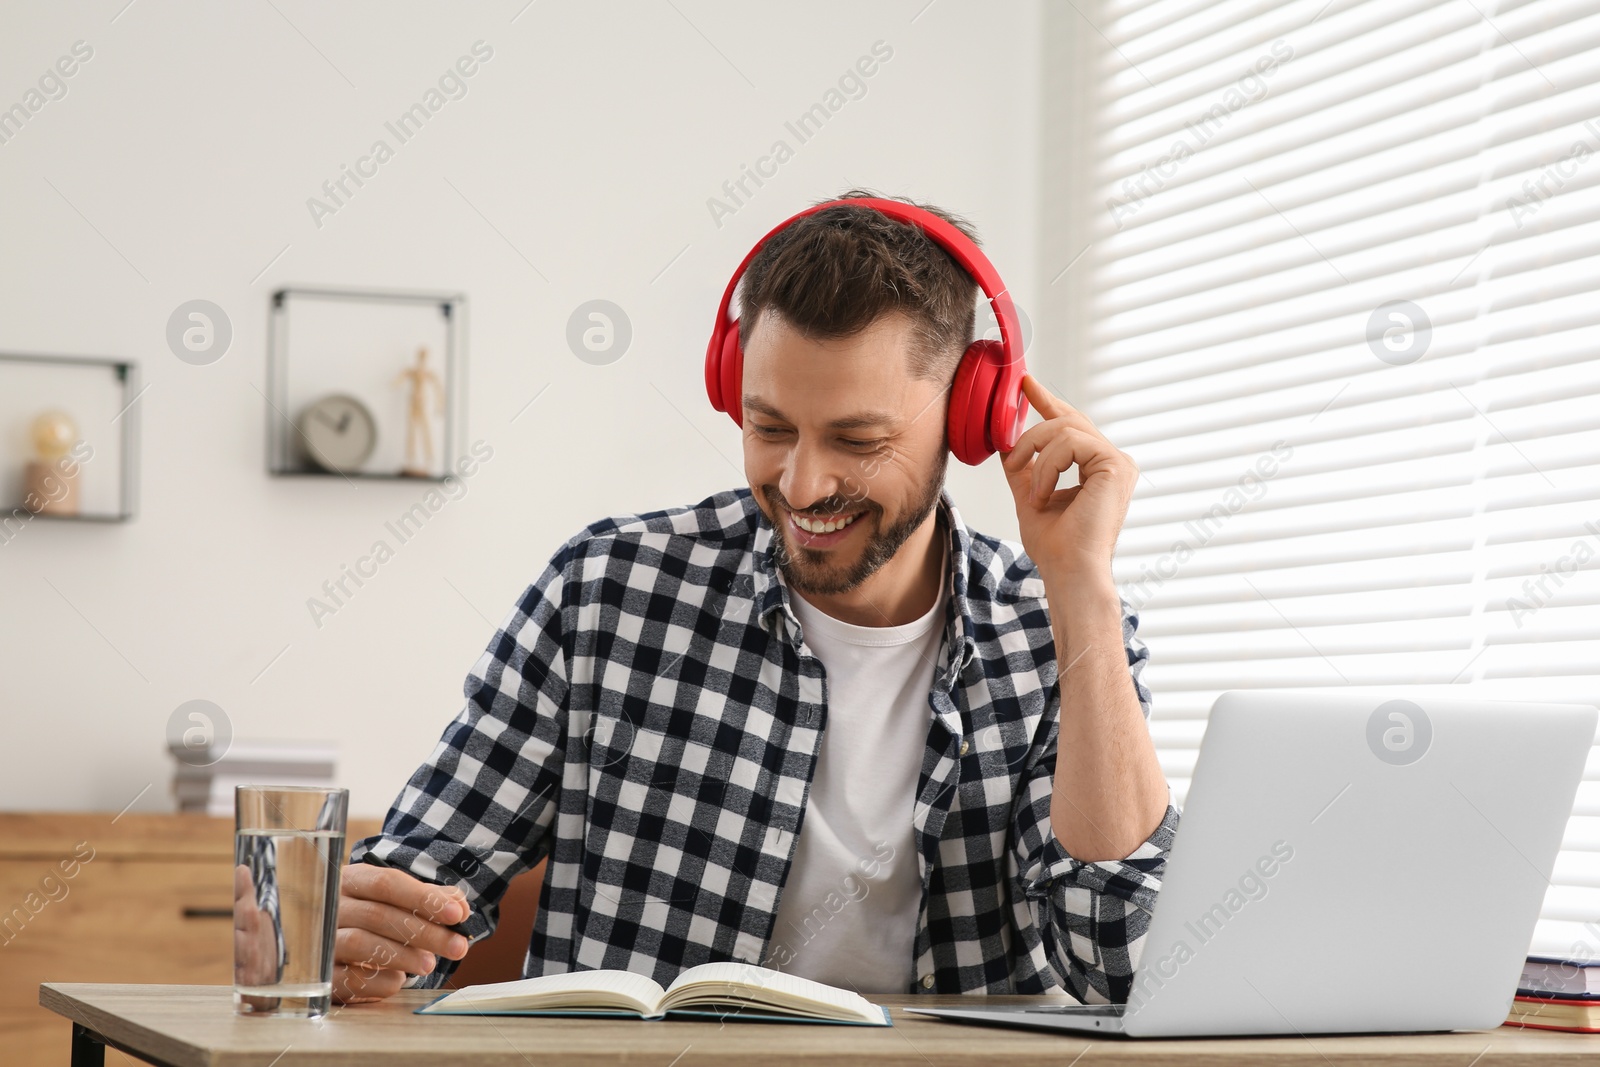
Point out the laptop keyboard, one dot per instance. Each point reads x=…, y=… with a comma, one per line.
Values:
x=1079, y=1009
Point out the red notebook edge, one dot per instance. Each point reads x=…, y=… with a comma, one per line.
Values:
x=1548, y=1026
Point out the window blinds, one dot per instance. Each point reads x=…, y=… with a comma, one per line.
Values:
x=1342, y=296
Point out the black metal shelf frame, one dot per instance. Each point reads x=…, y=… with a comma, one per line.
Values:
x=282, y=459
x=127, y=373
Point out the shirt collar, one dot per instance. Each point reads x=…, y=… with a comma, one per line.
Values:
x=770, y=590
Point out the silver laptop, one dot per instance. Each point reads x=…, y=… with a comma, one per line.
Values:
x=1348, y=861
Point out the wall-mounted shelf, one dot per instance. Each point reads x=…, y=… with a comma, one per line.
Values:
x=338, y=399
x=99, y=396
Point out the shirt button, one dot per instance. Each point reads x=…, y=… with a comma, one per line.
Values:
x=964, y=746
x=927, y=981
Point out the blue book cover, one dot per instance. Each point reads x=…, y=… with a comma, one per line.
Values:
x=1552, y=978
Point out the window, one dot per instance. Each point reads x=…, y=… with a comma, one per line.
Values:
x=1342, y=308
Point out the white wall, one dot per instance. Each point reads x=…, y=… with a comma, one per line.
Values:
x=178, y=166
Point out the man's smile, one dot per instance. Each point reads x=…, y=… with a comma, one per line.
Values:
x=813, y=532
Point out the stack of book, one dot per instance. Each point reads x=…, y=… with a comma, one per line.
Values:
x=205, y=783
x=1558, y=994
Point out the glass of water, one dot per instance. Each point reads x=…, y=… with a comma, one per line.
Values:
x=288, y=851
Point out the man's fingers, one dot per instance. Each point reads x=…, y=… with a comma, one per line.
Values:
x=1046, y=403
x=442, y=904
x=1056, y=458
x=358, y=985
x=1041, y=436
x=1047, y=451
x=402, y=927
x=1057, y=408
x=364, y=948
x=246, y=915
x=1028, y=442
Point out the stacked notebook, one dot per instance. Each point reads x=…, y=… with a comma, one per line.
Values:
x=1558, y=994
x=204, y=782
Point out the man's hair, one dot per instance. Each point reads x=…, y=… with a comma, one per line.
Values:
x=835, y=272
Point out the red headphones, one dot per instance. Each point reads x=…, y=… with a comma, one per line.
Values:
x=987, y=408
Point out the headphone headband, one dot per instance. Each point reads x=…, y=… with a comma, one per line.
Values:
x=947, y=236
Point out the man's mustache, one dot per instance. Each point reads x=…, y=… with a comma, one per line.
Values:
x=835, y=505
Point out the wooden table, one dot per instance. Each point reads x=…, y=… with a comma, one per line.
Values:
x=191, y=1026
x=150, y=899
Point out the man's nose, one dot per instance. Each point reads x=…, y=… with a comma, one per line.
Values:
x=810, y=480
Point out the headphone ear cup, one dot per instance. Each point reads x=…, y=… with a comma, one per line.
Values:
x=732, y=373
x=970, y=397
x=1008, y=408
x=714, y=372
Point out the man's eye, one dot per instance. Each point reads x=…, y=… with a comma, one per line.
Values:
x=853, y=443
x=767, y=431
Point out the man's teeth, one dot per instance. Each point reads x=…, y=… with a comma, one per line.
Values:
x=817, y=527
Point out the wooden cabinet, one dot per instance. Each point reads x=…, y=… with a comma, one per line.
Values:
x=100, y=898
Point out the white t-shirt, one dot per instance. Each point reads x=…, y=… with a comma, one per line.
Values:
x=847, y=915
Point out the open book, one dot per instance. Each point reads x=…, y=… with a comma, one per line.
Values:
x=718, y=990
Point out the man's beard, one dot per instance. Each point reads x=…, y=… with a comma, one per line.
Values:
x=804, y=568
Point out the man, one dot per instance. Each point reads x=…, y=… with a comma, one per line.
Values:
x=815, y=723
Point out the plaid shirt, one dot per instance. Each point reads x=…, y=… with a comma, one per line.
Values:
x=648, y=716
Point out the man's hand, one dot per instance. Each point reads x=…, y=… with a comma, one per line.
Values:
x=1067, y=532
x=391, y=923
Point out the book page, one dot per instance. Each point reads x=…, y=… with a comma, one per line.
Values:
x=748, y=983
x=578, y=989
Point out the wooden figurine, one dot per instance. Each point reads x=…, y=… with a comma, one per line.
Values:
x=419, y=419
